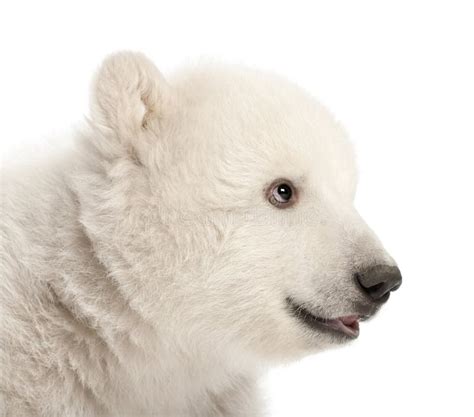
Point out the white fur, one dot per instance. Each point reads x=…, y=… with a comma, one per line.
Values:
x=145, y=273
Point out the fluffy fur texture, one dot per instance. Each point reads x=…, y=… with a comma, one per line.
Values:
x=146, y=273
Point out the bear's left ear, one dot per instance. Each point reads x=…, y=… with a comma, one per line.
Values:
x=129, y=96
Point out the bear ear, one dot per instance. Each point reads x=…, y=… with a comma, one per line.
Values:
x=129, y=95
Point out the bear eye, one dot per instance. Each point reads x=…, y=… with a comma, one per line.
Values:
x=281, y=193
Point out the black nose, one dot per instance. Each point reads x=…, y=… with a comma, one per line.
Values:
x=379, y=280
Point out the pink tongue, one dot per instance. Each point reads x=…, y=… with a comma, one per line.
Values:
x=349, y=320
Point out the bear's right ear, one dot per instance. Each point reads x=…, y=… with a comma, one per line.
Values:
x=129, y=96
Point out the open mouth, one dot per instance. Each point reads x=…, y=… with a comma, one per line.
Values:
x=345, y=325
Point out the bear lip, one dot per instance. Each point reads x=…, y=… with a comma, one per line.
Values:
x=345, y=325
x=349, y=325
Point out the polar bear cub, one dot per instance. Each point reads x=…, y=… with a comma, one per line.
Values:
x=201, y=230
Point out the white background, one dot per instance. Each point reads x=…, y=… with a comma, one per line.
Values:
x=398, y=74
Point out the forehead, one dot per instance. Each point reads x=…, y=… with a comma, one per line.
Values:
x=261, y=125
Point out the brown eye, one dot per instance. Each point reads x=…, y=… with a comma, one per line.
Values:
x=282, y=194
